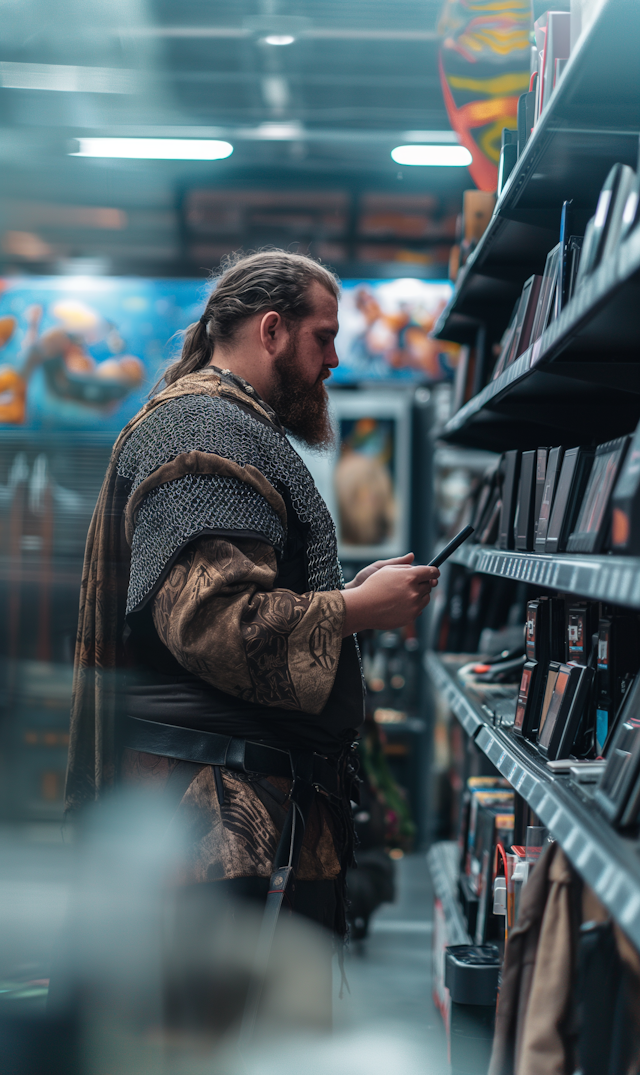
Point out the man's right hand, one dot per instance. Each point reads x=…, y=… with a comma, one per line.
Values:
x=391, y=597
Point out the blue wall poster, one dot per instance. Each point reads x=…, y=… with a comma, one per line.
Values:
x=84, y=352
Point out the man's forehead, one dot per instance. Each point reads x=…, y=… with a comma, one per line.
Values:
x=324, y=304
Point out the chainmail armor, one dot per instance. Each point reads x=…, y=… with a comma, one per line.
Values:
x=174, y=513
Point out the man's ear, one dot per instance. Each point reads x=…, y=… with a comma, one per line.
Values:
x=271, y=330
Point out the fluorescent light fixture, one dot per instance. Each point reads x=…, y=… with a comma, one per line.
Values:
x=185, y=149
x=431, y=136
x=279, y=132
x=278, y=39
x=432, y=156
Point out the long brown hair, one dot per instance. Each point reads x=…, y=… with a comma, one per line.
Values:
x=247, y=284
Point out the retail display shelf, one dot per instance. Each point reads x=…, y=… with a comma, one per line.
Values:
x=466, y=711
x=607, y=861
x=615, y=579
x=561, y=383
x=588, y=125
x=443, y=862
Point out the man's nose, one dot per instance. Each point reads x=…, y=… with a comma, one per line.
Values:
x=333, y=359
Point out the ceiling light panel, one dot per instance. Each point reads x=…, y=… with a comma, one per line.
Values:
x=432, y=156
x=205, y=149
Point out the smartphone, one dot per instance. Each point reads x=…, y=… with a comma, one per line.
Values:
x=445, y=553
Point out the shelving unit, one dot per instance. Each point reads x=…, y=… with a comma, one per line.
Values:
x=607, y=861
x=580, y=382
x=567, y=384
x=591, y=122
x=615, y=579
x=442, y=859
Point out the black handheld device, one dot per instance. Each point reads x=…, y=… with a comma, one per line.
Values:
x=455, y=543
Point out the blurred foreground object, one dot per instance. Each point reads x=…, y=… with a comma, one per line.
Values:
x=145, y=975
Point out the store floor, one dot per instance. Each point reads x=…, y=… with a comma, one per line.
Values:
x=389, y=973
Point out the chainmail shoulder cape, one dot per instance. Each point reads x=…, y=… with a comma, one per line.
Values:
x=200, y=429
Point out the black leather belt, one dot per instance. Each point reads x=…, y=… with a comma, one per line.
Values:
x=210, y=748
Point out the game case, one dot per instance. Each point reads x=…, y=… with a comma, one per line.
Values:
x=550, y=682
x=573, y=263
x=618, y=661
x=523, y=525
x=625, y=502
x=574, y=474
x=554, y=464
x=506, y=342
x=526, y=115
x=545, y=616
x=582, y=623
x=547, y=293
x=527, y=315
x=623, y=764
x=542, y=455
x=593, y=517
x=566, y=710
x=509, y=498
x=527, y=696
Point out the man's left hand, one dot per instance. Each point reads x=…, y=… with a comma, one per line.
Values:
x=366, y=572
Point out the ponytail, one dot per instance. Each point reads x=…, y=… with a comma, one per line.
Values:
x=249, y=284
x=196, y=352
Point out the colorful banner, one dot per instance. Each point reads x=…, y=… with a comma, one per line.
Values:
x=485, y=62
x=84, y=352
x=384, y=331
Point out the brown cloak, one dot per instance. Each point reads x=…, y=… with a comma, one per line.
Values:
x=99, y=657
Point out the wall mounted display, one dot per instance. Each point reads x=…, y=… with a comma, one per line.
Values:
x=384, y=331
x=84, y=352
x=366, y=481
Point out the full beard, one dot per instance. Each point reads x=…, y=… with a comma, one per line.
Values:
x=303, y=410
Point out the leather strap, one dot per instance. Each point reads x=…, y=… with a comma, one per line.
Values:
x=239, y=755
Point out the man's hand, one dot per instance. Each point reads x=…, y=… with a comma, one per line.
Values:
x=390, y=596
x=366, y=572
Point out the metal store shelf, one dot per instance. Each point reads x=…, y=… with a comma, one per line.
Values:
x=565, y=384
x=615, y=579
x=467, y=713
x=591, y=122
x=442, y=859
x=607, y=861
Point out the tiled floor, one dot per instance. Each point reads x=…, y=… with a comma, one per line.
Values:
x=389, y=973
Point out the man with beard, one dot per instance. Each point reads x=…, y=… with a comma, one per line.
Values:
x=211, y=577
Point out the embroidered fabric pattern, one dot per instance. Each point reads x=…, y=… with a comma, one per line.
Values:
x=211, y=424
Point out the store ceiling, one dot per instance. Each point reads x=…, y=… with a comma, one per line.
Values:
x=319, y=115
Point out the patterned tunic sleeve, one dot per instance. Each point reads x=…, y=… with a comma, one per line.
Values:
x=219, y=615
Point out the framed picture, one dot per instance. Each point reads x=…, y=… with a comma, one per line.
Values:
x=366, y=480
